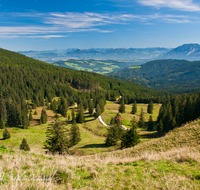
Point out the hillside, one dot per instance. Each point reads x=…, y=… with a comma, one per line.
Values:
x=97, y=66
x=29, y=79
x=186, y=51
x=178, y=76
x=171, y=162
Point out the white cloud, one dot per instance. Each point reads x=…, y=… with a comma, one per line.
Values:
x=58, y=25
x=185, y=5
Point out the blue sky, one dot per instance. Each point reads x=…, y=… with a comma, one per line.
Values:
x=61, y=24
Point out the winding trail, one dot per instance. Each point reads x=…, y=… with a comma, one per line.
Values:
x=101, y=120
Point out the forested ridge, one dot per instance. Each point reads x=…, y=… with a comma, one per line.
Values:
x=25, y=79
x=177, y=76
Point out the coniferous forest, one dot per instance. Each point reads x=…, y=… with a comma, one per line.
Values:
x=25, y=81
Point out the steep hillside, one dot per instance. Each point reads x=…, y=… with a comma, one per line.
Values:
x=170, y=75
x=23, y=77
x=187, y=51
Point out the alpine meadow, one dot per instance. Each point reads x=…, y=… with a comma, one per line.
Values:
x=99, y=94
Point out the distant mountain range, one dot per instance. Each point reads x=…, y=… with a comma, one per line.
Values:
x=120, y=54
x=187, y=51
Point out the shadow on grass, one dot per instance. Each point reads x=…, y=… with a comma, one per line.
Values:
x=94, y=146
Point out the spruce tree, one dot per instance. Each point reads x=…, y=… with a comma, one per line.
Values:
x=150, y=107
x=91, y=107
x=24, y=145
x=134, y=108
x=30, y=116
x=141, y=123
x=122, y=107
x=113, y=135
x=160, y=126
x=56, y=139
x=75, y=135
x=63, y=107
x=73, y=116
x=130, y=137
x=6, y=134
x=43, y=118
x=98, y=111
x=3, y=111
x=2, y=124
x=80, y=118
x=150, y=124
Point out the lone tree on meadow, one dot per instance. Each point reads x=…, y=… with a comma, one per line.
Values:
x=56, y=139
x=141, y=123
x=134, y=108
x=150, y=107
x=130, y=137
x=75, y=135
x=150, y=124
x=122, y=107
x=6, y=134
x=43, y=118
x=24, y=145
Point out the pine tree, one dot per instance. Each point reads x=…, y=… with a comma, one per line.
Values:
x=91, y=107
x=122, y=107
x=2, y=124
x=25, y=119
x=75, y=135
x=141, y=123
x=63, y=107
x=24, y=145
x=134, y=108
x=98, y=111
x=150, y=107
x=150, y=124
x=160, y=126
x=53, y=105
x=6, y=134
x=80, y=118
x=113, y=135
x=30, y=116
x=3, y=111
x=73, y=116
x=56, y=139
x=43, y=118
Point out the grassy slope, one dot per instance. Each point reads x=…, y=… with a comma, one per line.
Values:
x=171, y=162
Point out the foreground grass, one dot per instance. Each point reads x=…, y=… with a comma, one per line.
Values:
x=171, y=162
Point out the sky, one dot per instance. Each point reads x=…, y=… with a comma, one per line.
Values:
x=60, y=24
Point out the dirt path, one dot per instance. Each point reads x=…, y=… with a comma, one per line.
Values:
x=101, y=120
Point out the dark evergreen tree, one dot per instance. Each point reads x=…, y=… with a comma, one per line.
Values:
x=25, y=119
x=24, y=145
x=97, y=111
x=6, y=134
x=130, y=137
x=53, y=105
x=91, y=107
x=43, y=118
x=80, y=118
x=63, y=107
x=30, y=116
x=3, y=111
x=113, y=135
x=150, y=124
x=134, y=108
x=2, y=124
x=160, y=126
x=122, y=107
x=141, y=123
x=56, y=139
x=150, y=107
x=75, y=135
x=73, y=116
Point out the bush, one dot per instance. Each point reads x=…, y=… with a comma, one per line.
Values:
x=24, y=145
x=6, y=134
